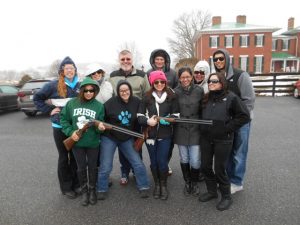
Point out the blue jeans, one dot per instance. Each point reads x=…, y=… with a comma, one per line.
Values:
x=236, y=167
x=159, y=154
x=108, y=148
x=190, y=154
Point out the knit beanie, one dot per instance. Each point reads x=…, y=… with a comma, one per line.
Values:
x=66, y=61
x=157, y=75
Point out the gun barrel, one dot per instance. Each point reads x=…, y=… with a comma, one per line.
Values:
x=185, y=120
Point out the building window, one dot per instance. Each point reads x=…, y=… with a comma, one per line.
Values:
x=244, y=41
x=285, y=44
x=274, y=45
x=259, y=40
x=228, y=41
x=244, y=62
x=214, y=41
x=258, y=63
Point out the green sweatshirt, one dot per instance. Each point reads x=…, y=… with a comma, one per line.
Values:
x=73, y=116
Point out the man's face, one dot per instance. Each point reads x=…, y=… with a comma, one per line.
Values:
x=126, y=62
x=219, y=61
x=159, y=62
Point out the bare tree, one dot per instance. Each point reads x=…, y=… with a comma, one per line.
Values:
x=24, y=79
x=184, y=28
x=132, y=47
x=53, y=69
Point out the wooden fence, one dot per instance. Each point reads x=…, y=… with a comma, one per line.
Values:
x=274, y=84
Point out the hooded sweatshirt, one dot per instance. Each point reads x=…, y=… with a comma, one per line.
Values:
x=243, y=88
x=76, y=113
x=170, y=73
x=121, y=114
x=203, y=66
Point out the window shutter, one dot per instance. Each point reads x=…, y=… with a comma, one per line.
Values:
x=210, y=42
x=276, y=44
x=262, y=64
x=225, y=39
x=218, y=42
x=289, y=44
x=248, y=41
x=240, y=41
x=240, y=62
x=255, y=40
x=254, y=64
x=232, y=41
x=263, y=41
x=247, y=68
x=232, y=61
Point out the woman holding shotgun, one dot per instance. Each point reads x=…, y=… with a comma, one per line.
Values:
x=187, y=135
x=158, y=101
x=120, y=111
x=74, y=116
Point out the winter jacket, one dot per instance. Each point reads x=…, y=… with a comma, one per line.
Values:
x=121, y=114
x=228, y=113
x=170, y=73
x=148, y=108
x=243, y=86
x=137, y=79
x=106, y=91
x=189, y=108
x=49, y=91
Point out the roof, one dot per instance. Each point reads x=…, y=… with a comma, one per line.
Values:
x=283, y=55
x=293, y=31
x=238, y=27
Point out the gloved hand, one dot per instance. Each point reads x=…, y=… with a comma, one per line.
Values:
x=164, y=122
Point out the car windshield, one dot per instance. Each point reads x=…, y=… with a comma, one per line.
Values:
x=8, y=89
x=34, y=85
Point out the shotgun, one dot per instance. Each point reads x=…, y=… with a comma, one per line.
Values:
x=183, y=120
x=138, y=144
x=69, y=142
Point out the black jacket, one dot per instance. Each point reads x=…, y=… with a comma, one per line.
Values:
x=228, y=113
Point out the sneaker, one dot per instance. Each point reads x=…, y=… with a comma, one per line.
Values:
x=170, y=171
x=235, y=188
x=124, y=181
x=144, y=193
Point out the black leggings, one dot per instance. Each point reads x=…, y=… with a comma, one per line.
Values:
x=86, y=158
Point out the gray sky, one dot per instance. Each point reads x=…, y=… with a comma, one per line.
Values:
x=37, y=32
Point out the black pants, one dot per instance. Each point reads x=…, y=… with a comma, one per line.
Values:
x=86, y=158
x=67, y=168
x=219, y=151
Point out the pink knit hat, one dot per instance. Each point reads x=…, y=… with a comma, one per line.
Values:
x=157, y=75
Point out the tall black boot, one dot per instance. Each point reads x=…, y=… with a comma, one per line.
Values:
x=185, y=168
x=164, y=193
x=194, y=177
x=226, y=199
x=93, y=175
x=156, y=191
x=82, y=176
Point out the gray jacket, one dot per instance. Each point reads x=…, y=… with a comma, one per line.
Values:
x=189, y=107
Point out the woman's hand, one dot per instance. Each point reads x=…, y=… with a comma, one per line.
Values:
x=101, y=126
x=55, y=111
x=74, y=136
x=152, y=121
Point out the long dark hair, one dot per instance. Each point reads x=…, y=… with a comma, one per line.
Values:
x=223, y=92
x=81, y=93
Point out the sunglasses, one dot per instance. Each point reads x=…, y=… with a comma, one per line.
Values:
x=199, y=72
x=89, y=90
x=213, y=81
x=159, y=82
x=221, y=59
x=125, y=59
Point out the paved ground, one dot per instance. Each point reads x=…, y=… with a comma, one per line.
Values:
x=29, y=192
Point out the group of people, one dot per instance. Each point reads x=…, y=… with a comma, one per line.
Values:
x=133, y=101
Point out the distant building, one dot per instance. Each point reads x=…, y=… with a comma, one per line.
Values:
x=252, y=48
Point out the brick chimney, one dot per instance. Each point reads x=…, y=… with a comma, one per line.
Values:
x=216, y=20
x=241, y=19
x=291, y=23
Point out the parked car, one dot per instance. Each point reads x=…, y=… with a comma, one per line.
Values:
x=8, y=97
x=26, y=96
x=297, y=89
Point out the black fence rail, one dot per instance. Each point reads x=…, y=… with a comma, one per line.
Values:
x=274, y=84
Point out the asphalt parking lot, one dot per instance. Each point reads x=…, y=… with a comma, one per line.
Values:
x=29, y=192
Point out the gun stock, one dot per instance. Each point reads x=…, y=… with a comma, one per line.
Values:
x=69, y=142
x=138, y=144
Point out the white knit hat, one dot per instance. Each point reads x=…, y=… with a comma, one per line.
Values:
x=92, y=68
